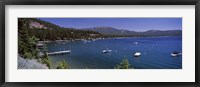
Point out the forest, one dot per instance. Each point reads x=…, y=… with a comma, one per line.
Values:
x=54, y=32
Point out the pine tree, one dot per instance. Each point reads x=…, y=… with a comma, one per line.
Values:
x=124, y=64
x=27, y=44
x=62, y=65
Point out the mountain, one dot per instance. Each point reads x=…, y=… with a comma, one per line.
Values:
x=105, y=30
x=163, y=33
x=111, y=31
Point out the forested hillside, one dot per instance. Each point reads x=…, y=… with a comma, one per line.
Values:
x=47, y=31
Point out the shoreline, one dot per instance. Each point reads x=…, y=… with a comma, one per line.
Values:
x=101, y=38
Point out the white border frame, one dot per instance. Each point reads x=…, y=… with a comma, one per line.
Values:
x=186, y=74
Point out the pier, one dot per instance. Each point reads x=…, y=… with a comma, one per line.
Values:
x=59, y=52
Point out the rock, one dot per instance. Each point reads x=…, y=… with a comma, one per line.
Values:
x=30, y=64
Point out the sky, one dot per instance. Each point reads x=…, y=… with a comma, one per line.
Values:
x=132, y=24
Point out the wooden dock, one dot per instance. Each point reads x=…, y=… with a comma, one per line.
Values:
x=59, y=52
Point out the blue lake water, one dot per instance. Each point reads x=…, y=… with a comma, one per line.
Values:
x=156, y=53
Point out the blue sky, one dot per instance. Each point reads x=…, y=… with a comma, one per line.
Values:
x=133, y=24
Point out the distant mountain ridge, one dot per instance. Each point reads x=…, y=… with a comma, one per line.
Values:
x=106, y=30
x=110, y=31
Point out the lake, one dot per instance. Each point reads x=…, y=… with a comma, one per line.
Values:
x=155, y=52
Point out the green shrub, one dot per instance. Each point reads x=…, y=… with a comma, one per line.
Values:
x=47, y=62
x=62, y=65
x=28, y=55
x=124, y=64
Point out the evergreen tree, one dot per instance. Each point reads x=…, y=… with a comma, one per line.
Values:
x=27, y=45
x=124, y=64
x=62, y=65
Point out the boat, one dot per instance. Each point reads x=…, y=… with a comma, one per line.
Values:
x=175, y=54
x=135, y=43
x=137, y=54
x=86, y=41
x=106, y=51
x=40, y=46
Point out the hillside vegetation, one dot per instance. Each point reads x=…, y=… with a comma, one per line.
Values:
x=47, y=31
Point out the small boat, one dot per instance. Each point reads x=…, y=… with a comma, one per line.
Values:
x=40, y=45
x=175, y=54
x=137, y=54
x=106, y=51
x=86, y=41
x=93, y=39
x=135, y=43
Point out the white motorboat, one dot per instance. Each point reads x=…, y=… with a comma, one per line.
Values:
x=135, y=43
x=175, y=54
x=106, y=51
x=137, y=54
